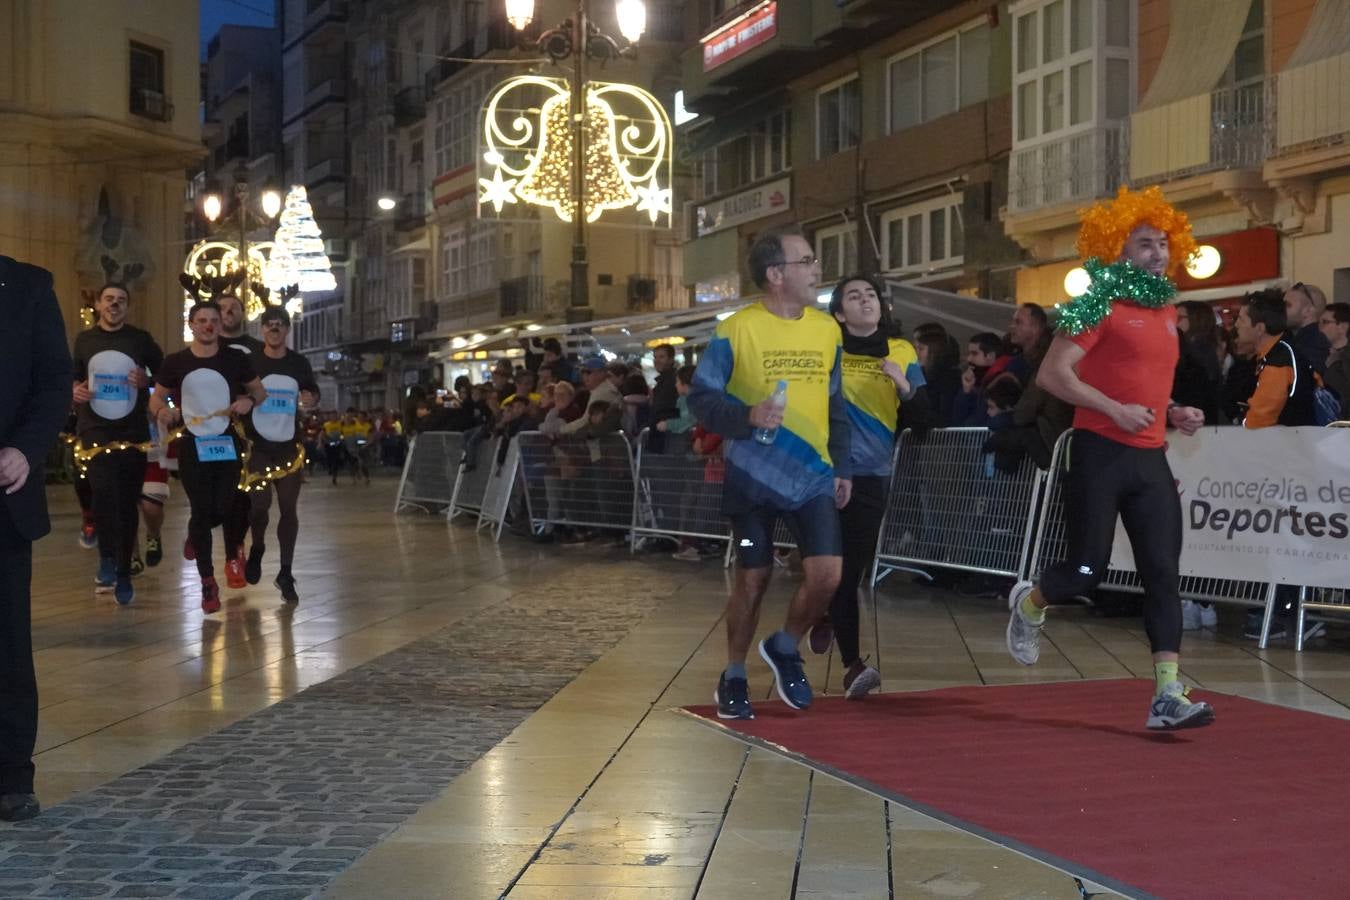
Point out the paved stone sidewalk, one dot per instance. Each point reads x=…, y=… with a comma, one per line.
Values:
x=277, y=805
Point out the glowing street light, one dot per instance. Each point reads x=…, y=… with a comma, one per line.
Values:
x=386, y=203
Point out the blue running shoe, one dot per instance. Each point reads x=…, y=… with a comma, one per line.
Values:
x=788, y=676
x=733, y=698
x=107, y=575
x=124, y=593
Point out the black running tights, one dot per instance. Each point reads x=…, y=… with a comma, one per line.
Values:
x=115, y=480
x=211, y=489
x=1105, y=478
x=860, y=522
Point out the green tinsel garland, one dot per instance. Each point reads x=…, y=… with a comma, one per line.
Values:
x=1118, y=282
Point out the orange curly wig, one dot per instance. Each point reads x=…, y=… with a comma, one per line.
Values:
x=1107, y=225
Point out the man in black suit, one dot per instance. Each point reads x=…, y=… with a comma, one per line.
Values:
x=34, y=400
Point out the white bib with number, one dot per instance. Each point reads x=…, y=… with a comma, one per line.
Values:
x=275, y=418
x=111, y=394
x=205, y=392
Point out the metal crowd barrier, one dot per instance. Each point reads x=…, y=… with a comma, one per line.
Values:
x=950, y=508
x=429, y=471
x=577, y=483
x=679, y=491
x=471, y=483
x=500, y=486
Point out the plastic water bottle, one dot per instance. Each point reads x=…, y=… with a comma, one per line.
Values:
x=779, y=399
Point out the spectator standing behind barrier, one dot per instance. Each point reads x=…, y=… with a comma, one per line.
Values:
x=941, y=371
x=1198, y=380
x=1283, y=396
x=880, y=373
x=34, y=401
x=1335, y=327
x=984, y=364
x=1284, y=378
x=1335, y=322
x=801, y=476
x=665, y=397
x=600, y=388
x=1038, y=416
x=1303, y=305
x=683, y=421
x=1114, y=359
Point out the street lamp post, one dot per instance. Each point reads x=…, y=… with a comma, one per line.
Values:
x=213, y=206
x=580, y=40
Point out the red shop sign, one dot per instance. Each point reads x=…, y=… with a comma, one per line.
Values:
x=741, y=35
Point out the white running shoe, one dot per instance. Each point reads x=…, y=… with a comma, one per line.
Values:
x=1209, y=616
x=1024, y=638
x=1190, y=616
x=1171, y=709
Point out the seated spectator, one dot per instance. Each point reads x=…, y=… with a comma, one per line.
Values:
x=1303, y=305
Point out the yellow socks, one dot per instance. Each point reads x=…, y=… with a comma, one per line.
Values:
x=1164, y=673
x=1033, y=613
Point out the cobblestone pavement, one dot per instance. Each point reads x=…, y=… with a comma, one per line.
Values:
x=277, y=805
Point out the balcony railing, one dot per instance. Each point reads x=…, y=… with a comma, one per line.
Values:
x=1166, y=144
x=151, y=105
x=1072, y=169
x=522, y=296
x=1314, y=103
x=327, y=168
x=412, y=213
x=410, y=106
x=329, y=89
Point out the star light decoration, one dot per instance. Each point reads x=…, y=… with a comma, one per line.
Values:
x=527, y=150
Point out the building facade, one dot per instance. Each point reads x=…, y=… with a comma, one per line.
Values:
x=94, y=155
x=1235, y=107
x=882, y=129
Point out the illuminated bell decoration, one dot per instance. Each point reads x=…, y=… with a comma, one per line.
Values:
x=526, y=151
x=549, y=181
x=211, y=258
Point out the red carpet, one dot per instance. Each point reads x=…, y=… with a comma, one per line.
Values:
x=1255, y=805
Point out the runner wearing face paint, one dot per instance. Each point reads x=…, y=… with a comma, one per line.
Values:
x=232, y=335
x=291, y=387
x=109, y=390
x=207, y=382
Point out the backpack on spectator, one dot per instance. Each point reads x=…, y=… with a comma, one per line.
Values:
x=1326, y=405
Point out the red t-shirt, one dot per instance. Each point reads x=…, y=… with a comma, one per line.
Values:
x=1130, y=357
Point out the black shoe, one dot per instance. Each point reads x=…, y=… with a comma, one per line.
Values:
x=154, y=551
x=286, y=584
x=19, y=807
x=1251, y=628
x=253, y=568
x=733, y=698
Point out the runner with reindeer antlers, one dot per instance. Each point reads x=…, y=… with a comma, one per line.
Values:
x=200, y=387
x=277, y=462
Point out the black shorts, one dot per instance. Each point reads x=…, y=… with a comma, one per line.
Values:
x=814, y=526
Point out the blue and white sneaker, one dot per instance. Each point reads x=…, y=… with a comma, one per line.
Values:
x=107, y=575
x=733, y=698
x=124, y=593
x=788, y=676
x=1172, y=709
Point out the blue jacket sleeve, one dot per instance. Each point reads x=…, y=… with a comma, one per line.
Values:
x=969, y=411
x=841, y=431
x=716, y=410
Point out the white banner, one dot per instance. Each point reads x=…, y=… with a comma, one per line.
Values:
x=1266, y=505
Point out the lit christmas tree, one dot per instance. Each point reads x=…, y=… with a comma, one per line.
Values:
x=299, y=234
